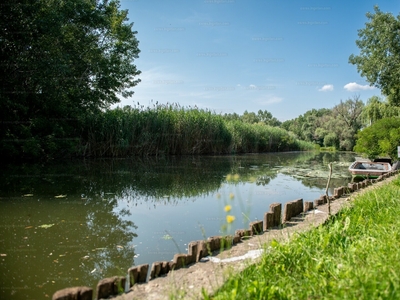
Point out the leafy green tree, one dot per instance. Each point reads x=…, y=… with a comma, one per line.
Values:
x=267, y=118
x=249, y=117
x=262, y=117
x=231, y=117
x=345, y=122
x=305, y=126
x=334, y=127
x=350, y=112
x=379, y=58
x=377, y=109
x=331, y=140
x=61, y=60
x=379, y=139
x=320, y=134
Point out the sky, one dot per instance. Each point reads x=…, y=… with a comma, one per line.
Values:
x=229, y=56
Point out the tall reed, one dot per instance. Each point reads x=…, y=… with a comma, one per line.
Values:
x=263, y=138
x=175, y=130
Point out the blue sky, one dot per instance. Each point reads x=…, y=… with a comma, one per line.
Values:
x=228, y=56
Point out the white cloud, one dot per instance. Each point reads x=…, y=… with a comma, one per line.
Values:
x=252, y=86
x=326, y=88
x=352, y=86
x=270, y=100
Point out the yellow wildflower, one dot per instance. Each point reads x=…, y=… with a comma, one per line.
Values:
x=230, y=219
x=228, y=208
x=231, y=196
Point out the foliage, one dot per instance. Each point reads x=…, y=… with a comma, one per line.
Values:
x=263, y=117
x=260, y=138
x=158, y=130
x=60, y=61
x=334, y=127
x=377, y=109
x=379, y=56
x=380, y=139
x=305, y=126
x=174, y=130
x=349, y=111
x=353, y=256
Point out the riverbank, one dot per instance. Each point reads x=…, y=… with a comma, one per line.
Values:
x=142, y=201
x=353, y=256
x=205, y=278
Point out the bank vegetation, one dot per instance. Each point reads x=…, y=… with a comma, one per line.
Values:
x=174, y=130
x=353, y=256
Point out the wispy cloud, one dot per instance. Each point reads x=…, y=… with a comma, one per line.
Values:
x=326, y=88
x=352, y=86
x=269, y=100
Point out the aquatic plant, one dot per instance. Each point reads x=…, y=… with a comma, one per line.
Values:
x=175, y=130
x=159, y=130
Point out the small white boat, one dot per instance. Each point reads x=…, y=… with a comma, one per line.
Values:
x=369, y=169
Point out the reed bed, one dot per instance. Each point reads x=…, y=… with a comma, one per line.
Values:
x=248, y=138
x=174, y=130
x=354, y=256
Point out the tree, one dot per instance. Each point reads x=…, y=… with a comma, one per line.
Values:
x=267, y=118
x=379, y=139
x=305, y=126
x=343, y=124
x=379, y=58
x=377, y=109
x=350, y=112
x=61, y=60
x=231, y=117
x=249, y=117
x=262, y=117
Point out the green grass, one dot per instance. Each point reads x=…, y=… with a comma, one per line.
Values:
x=333, y=149
x=170, y=129
x=355, y=255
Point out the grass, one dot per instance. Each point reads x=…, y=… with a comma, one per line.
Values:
x=333, y=149
x=355, y=255
x=170, y=129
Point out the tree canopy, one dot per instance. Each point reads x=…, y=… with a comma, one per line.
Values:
x=380, y=139
x=377, y=109
x=379, y=58
x=336, y=127
x=60, y=61
x=262, y=117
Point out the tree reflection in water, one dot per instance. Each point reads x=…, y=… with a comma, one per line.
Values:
x=89, y=235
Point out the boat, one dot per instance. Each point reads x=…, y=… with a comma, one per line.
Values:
x=366, y=169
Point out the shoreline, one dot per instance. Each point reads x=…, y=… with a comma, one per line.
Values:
x=207, y=275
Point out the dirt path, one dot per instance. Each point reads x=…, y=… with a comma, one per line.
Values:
x=187, y=283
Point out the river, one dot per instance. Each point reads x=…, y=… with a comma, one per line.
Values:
x=76, y=222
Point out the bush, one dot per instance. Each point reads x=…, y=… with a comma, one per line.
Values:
x=379, y=139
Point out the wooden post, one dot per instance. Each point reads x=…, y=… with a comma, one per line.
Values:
x=327, y=186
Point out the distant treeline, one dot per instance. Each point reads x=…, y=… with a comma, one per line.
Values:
x=343, y=126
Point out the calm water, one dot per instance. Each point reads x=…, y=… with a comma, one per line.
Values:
x=75, y=223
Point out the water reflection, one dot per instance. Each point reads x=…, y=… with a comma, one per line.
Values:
x=74, y=223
